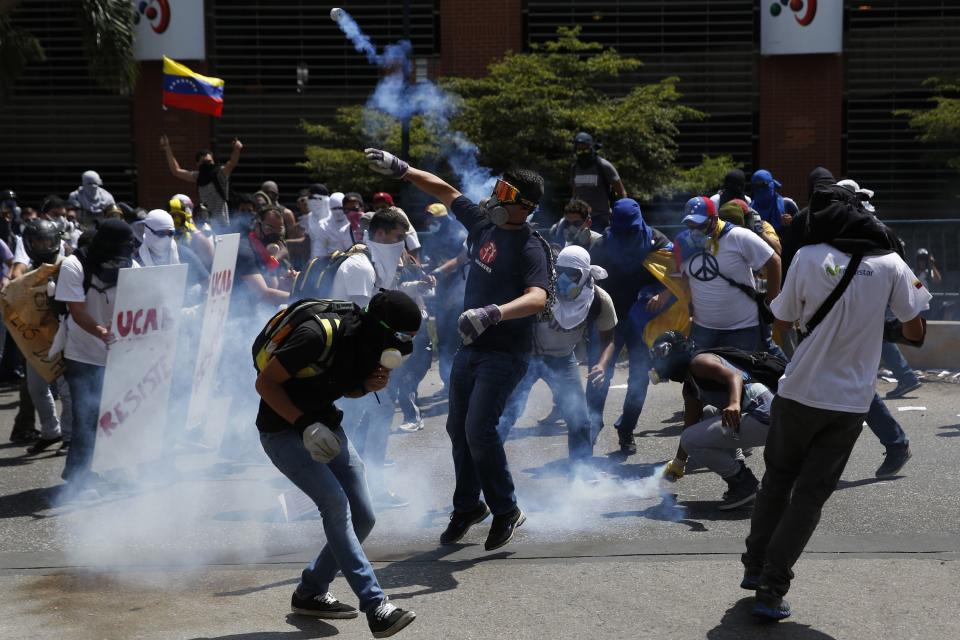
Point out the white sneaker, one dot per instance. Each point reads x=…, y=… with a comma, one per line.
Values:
x=411, y=427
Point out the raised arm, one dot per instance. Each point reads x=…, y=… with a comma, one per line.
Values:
x=387, y=164
x=234, y=157
x=172, y=163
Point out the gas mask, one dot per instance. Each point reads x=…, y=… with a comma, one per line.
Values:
x=503, y=194
x=495, y=212
x=670, y=357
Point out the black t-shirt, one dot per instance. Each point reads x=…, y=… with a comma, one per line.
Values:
x=502, y=264
x=334, y=350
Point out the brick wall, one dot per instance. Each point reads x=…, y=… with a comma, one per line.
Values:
x=188, y=132
x=474, y=34
x=801, y=118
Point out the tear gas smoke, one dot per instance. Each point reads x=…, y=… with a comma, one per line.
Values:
x=395, y=96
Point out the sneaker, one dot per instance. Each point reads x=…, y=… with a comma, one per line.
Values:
x=742, y=489
x=24, y=436
x=42, y=445
x=390, y=500
x=460, y=523
x=411, y=427
x=502, y=529
x=750, y=582
x=770, y=607
x=325, y=606
x=628, y=446
x=388, y=619
x=895, y=458
x=64, y=448
x=902, y=389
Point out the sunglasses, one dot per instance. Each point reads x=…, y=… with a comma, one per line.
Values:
x=506, y=193
x=163, y=233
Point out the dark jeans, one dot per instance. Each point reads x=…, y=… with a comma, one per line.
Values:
x=411, y=373
x=747, y=339
x=885, y=426
x=637, y=379
x=480, y=384
x=86, y=386
x=806, y=452
x=562, y=375
x=890, y=355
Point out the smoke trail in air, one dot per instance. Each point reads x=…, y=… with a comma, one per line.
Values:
x=397, y=97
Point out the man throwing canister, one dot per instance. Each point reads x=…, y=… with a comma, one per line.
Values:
x=510, y=282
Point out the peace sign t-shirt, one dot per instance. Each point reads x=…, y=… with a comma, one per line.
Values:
x=716, y=303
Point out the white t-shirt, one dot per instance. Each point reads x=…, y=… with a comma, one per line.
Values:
x=355, y=280
x=717, y=304
x=81, y=345
x=835, y=368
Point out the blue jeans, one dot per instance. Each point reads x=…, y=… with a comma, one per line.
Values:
x=340, y=492
x=891, y=356
x=563, y=377
x=747, y=339
x=637, y=379
x=480, y=384
x=411, y=373
x=885, y=426
x=86, y=386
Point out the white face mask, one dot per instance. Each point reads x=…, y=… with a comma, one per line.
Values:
x=319, y=205
x=161, y=249
x=386, y=261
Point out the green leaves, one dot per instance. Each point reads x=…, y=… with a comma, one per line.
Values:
x=527, y=109
x=940, y=124
x=107, y=30
x=18, y=48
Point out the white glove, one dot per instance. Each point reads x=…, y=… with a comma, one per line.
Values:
x=322, y=444
x=386, y=163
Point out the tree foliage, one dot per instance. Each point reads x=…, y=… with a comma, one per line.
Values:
x=526, y=111
x=940, y=124
x=106, y=28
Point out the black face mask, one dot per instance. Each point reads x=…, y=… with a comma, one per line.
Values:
x=109, y=270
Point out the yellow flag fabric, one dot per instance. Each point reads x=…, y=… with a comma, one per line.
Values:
x=676, y=317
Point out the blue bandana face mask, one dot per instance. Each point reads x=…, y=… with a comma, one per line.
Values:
x=567, y=287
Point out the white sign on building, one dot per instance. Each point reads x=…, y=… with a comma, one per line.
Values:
x=172, y=28
x=801, y=26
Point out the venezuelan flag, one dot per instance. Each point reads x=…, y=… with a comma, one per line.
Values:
x=185, y=89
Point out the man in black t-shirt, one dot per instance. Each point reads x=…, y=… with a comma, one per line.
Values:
x=326, y=357
x=510, y=276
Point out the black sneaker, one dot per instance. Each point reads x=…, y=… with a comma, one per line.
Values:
x=325, y=606
x=502, y=529
x=387, y=619
x=750, y=582
x=742, y=490
x=902, y=389
x=64, y=448
x=770, y=607
x=628, y=446
x=460, y=523
x=42, y=445
x=895, y=458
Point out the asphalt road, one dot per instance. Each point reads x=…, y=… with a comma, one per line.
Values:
x=207, y=553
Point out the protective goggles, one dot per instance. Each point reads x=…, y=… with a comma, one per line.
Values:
x=506, y=193
x=571, y=272
x=661, y=350
x=163, y=233
x=400, y=336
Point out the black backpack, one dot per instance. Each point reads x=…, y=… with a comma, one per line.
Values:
x=316, y=279
x=762, y=367
x=327, y=313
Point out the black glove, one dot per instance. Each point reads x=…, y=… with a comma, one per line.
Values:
x=893, y=332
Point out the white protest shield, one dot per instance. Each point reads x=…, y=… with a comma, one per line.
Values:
x=136, y=383
x=212, y=329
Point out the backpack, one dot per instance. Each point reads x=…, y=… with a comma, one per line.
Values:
x=316, y=279
x=286, y=321
x=762, y=367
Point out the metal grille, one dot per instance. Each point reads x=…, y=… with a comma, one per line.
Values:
x=891, y=48
x=55, y=123
x=256, y=47
x=711, y=46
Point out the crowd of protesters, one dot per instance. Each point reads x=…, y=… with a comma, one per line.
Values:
x=730, y=307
